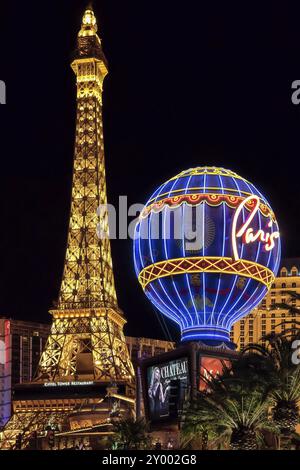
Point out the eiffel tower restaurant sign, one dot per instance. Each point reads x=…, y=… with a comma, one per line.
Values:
x=68, y=384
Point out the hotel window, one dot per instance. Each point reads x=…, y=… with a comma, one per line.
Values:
x=294, y=272
x=294, y=285
x=273, y=315
x=283, y=315
x=264, y=322
x=283, y=300
x=263, y=315
x=273, y=294
x=273, y=286
x=283, y=285
x=283, y=272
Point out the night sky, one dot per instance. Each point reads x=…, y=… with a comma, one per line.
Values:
x=190, y=83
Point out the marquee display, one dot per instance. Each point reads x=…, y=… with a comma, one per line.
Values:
x=206, y=251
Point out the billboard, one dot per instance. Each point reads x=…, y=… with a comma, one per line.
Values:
x=210, y=367
x=167, y=386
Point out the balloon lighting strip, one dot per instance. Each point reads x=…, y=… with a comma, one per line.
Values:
x=208, y=170
x=206, y=264
x=210, y=199
x=200, y=190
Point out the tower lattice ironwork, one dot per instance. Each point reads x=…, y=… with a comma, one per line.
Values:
x=87, y=319
x=86, y=342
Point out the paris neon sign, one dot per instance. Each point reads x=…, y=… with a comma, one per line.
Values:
x=247, y=233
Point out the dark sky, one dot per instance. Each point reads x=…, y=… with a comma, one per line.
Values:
x=190, y=83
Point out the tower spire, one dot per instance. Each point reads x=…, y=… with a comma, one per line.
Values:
x=88, y=41
x=89, y=25
x=88, y=279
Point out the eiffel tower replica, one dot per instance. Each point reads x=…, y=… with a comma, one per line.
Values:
x=85, y=369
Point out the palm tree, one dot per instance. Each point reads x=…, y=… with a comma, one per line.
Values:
x=195, y=428
x=258, y=394
x=232, y=411
x=131, y=434
x=282, y=378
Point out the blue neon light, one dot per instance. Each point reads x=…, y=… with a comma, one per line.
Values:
x=206, y=304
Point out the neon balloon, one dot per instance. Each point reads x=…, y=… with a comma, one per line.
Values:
x=206, y=251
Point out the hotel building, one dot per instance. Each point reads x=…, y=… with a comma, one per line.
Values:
x=268, y=317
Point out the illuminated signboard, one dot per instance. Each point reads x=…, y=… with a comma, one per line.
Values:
x=167, y=385
x=206, y=251
x=267, y=238
x=67, y=384
x=210, y=367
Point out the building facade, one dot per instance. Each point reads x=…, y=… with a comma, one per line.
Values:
x=141, y=348
x=269, y=316
x=21, y=345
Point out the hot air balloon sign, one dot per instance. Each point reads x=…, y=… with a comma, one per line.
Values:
x=206, y=251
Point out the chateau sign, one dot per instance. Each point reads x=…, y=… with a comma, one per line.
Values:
x=174, y=369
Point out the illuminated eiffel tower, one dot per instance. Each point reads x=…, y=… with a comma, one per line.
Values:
x=86, y=349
